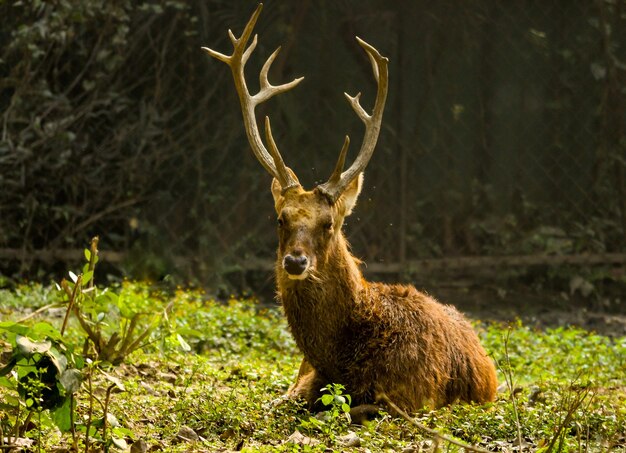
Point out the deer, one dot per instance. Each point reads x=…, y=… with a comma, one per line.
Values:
x=373, y=338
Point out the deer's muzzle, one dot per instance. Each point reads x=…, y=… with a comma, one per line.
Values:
x=296, y=265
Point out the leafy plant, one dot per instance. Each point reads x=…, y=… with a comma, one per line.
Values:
x=336, y=417
x=42, y=374
x=98, y=311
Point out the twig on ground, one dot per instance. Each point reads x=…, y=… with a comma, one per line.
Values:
x=570, y=403
x=38, y=311
x=436, y=434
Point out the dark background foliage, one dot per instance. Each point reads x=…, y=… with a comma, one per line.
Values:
x=504, y=132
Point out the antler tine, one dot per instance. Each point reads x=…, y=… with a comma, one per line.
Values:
x=281, y=168
x=336, y=176
x=335, y=186
x=267, y=89
x=273, y=162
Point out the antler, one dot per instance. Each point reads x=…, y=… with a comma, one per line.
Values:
x=339, y=180
x=273, y=162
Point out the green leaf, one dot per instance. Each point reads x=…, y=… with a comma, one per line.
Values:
x=27, y=347
x=112, y=420
x=24, y=367
x=125, y=308
x=87, y=276
x=345, y=408
x=14, y=327
x=106, y=297
x=120, y=443
x=62, y=416
x=87, y=254
x=46, y=330
x=120, y=431
x=10, y=403
x=327, y=400
x=183, y=343
x=71, y=380
x=188, y=331
x=58, y=360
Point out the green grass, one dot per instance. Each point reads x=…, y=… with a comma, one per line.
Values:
x=235, y=359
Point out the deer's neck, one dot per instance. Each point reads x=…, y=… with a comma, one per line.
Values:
x=319, y=308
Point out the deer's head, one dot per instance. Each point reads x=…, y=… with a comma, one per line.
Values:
x=308, y=225
x=308, y=221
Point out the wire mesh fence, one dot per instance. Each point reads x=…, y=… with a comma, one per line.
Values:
x=503, y=136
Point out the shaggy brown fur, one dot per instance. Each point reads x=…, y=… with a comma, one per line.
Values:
x=370, y=337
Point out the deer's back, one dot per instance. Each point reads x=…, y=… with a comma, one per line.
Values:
x=420, y=352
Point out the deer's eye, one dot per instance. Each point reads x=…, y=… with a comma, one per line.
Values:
x=328, y=226
x=280, y=222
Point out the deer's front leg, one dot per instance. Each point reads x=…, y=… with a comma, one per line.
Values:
x=308, y=384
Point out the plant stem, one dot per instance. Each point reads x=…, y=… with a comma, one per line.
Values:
x=508, y=376
x=106, y=412
x=16, y=431
x=436, y=434
x=90, y=412
x=39, y=430
x=576, y=401
x=72, y=425
x=92, y=259
x=70, y=303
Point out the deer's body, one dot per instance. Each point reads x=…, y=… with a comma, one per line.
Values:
x=370, y=337
x=387, y=338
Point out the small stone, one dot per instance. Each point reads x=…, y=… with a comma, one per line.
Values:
x=300, y=439
x=139, y=446
x=349, y=440
x=187, y=434
x=167, y=377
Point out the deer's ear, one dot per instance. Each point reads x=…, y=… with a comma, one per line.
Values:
x=276, y=193
x=348, y=198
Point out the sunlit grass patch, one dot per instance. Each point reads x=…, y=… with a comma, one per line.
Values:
x=214, y=368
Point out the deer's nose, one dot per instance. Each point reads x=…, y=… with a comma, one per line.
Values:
x=296, y=263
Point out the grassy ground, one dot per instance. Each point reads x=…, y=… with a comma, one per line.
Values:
x=208, y=372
